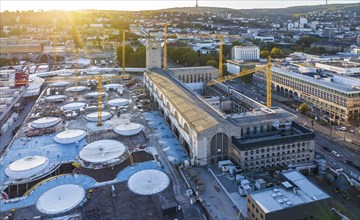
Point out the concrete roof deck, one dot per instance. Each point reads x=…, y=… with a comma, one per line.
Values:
x=248, y=118
x=278, y=198
x=200, y=116
x=322, y=83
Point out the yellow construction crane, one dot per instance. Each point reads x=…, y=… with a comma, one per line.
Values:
x=250, y=71
x=76, y=70
x=268, y=83
x=165, y=47
x=123, y=53
x=55, y=51
x=99, y=78
x=99, y=81
x=220, y=74
x=234, y=76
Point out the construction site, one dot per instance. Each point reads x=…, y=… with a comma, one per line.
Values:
x=101, y=143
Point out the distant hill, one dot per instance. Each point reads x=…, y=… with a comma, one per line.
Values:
x=291, y=11
x=199, y=10
x=282, y=12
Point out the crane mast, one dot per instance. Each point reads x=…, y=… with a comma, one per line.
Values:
x=123, y=53
x=76, y=56
x=220, y=75
x=165, y=47
x=55, y=51
x=268, y=83
x=99, y=81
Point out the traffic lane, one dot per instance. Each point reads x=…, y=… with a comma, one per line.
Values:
x=337, y=134
x=336, y=162
x=349, y=155
x=340, y=145
x=345, y=154
x=8, y=135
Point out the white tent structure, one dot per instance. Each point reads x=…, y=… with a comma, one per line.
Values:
x=55, y=98
x=118, y=102
x=69, y=136
x=129, y=129
x=92, y=72
x=74, y=106
x=76, y=88
x=26, y=167
x=67, y=73
x=60, y=84
x=60, y=199
x=94, y=94
x=148, y=182
x=45, y=122
x=102, y=151
x=94, y=116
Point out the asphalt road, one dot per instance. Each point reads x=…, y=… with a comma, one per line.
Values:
x=325, y=135
x=8, y=136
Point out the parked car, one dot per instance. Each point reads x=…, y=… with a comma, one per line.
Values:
x=348, y=140
x=326, y=149
x=336, y=154
x=342, y=128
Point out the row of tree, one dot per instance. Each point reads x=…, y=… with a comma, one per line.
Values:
x=275, y=53
x=8, y=61
x=133, y=58
x=181, y=55
x=185, y=56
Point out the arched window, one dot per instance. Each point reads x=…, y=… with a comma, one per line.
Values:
x=162, y=98
x=219, y=147
x=186, y=129
x=176, y=116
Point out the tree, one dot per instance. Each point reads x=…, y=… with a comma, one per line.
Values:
x=307, y=41
x=316, y=50
x=264, y=54
x=304, y=108
x=132, y=58
x=212, y=63
x=276, y=52
x=236, y=43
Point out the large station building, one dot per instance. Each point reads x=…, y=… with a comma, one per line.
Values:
x=210, y=133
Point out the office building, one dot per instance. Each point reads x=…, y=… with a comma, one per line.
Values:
x=245, y=53
x=277, y=145
x=296, y=198
x=333, y=95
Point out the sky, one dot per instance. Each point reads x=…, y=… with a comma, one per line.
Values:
x=135, y=5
